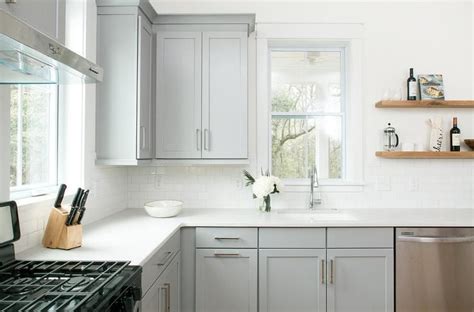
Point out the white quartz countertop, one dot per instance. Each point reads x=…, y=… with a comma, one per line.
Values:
x=131, y=235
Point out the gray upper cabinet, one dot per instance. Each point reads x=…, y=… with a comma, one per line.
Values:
x=224, y=94
x=145, y=139
x=360, y=280
x=48, y=16
x=201, y=93
x=226, y=280
x=124, y=115
x=292, y=280
x=178, y=85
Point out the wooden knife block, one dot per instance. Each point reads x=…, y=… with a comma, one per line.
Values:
x=59, y=236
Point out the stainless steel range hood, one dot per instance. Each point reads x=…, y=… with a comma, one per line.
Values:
x=28, y=56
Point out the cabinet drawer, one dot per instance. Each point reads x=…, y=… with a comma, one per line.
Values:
x=360, y=238
x=226, y=238
x=292, y=238
x=159, y=261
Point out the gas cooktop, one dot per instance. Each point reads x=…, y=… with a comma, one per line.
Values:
x=68, y=286
x=61, y=285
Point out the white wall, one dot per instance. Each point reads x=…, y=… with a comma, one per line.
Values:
x=108, y=185
x=432, y=37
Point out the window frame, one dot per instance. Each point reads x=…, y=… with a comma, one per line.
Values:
x=277, y=35
x=31, y=190
x=310, y=46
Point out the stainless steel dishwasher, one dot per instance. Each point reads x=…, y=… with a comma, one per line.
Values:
x=434, y=269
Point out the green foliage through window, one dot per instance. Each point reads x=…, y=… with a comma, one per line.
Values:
x=307, y=115
x=33, y=136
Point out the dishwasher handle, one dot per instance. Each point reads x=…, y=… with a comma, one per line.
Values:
x=434, y=239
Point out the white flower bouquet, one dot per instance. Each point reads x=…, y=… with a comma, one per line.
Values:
x=262, y=187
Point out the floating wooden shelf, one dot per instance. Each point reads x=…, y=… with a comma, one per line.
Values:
x=426, y=155
x=427, y=104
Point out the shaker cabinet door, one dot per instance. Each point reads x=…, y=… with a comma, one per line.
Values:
x=360, y=280
x=292, y=280
x=178, y=95
x=155, y=299
x=116, y=112
x=144, y=96
x=224, y=94
x=164, y=294
x=226, y=280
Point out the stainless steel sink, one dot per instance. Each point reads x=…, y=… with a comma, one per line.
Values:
x=316, y=214
x=308, y=211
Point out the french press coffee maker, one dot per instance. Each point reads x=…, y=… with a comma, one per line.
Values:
x=390, y=138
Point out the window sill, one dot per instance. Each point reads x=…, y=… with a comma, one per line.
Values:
x=296, y=186
x=35, y=192
x=46, y=199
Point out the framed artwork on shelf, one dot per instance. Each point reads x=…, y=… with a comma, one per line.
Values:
x=431, y=87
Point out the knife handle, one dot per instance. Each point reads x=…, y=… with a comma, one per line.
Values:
x=70, y=216
x=77, y=198
x=81, y=215
x=59, y=198
x=84, y=199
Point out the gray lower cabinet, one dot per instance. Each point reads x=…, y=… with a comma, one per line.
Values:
x=164, y=294
x=226, y=280
x=360, y=280
x=292, y=280
x=299, y=270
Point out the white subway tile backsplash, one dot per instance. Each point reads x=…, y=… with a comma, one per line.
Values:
x=109, y=194
x=389, y=184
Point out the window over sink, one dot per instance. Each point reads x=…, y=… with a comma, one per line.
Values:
x=308, y=92
x=309, y=104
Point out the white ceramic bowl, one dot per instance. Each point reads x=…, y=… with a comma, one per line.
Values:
x=164, y=208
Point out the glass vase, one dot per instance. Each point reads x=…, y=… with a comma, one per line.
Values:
x=265, y=204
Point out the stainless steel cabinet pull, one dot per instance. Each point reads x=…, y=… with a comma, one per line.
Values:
x=428, y=239
x=206, y=140
x=226, y=254
x=331, y=280
x=160, y=300
x=323, y=270
x=165, y=258
x=163, y=292
x=230, y=238
x=198, y=139
x=143, y=137
x=168, y=297
x=209, y=140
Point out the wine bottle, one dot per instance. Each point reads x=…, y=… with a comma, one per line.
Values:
x=455, y=135
x=411, y=87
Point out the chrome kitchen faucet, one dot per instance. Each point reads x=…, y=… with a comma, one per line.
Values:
x=314, y=197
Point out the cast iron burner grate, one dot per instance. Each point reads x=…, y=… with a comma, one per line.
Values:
x=55, y=285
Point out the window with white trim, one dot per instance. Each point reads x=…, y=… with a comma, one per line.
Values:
x=308, y=93
x=33, y=139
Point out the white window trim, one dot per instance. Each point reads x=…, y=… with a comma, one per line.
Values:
x=310, y=45
x=277, y=35
x=32, y=190
x=71, y=112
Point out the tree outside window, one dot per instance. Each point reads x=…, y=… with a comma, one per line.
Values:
x=33, y=136
x=307, y=114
